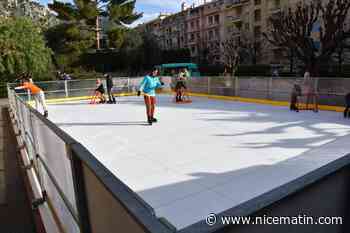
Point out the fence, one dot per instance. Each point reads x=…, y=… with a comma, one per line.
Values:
x=77, y=88
x=331, y=91
x=74, y=191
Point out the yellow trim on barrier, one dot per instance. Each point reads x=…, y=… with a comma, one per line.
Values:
x=217, y=97
x=60, y=100
x=264, y=101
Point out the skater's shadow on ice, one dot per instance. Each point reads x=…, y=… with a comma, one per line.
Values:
x=121, y=123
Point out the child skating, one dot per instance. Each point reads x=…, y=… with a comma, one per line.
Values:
x=148, y=86
x=100, y=91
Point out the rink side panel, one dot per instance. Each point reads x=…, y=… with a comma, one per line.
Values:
x=323, y=193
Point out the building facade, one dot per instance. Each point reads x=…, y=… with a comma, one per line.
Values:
x=202, y=28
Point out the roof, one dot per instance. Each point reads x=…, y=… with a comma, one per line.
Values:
x=176, y=65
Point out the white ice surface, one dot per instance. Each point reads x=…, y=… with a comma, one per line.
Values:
x=207, y=156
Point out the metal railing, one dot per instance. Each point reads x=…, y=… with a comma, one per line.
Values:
x=331, y=91
x=77, y=88
x=79, y=192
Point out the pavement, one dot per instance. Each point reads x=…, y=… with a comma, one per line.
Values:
x=207, y=156
x=2, y=155
x=15, y=210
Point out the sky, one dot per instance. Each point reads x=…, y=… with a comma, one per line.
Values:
x=150, y=8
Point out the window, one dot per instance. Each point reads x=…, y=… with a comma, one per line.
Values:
x=257, y=15
x=257, y=47
x=238, y=25
x=217, y=19
x=277, y=54
x=257, y=2
x=192, y=25
x=197, y=23
x=257, y=31
x=268, y=23
x=210, y=35
x=193, y=49
x=246, y=26
x=277, y=3
x=239, y=11
x=217, y=35
x=210, y=20
x=192, y=37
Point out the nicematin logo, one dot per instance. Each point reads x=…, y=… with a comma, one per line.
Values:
x=212, y=219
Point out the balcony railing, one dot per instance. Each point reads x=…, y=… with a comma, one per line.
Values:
x=274, y=10
x=236, y=3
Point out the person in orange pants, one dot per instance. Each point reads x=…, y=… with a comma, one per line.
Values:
x=37, y=93
x=148, y=86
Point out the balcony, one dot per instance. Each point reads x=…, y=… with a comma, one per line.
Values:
x=275, y=10
x=212, y=25
x=236, y=3
x=235, y=33
x=234, y=19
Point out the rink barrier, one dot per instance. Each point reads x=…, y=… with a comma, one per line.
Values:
x=331, y=91
x=97, y=185
x=259, y=90
x=74, y=192
x=264, y=101
x=209, y=96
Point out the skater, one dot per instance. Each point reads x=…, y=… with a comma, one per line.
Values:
x=347, y=106
x=296, y=92
x=310, y=91
x=181, y=85
x=275, y=73
x=148, y=86
x=109, y=82
x=38, y=94
x=100, y=91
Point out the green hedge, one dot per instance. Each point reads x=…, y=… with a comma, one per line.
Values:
x=211, y=70
x=254, y=70
x=265, y=70
x=3, y=90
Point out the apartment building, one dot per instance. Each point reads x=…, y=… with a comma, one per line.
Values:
x=204, y=26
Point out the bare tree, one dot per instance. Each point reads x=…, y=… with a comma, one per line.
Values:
x=292, y=29
x=253, y=47
x=242, y=49
x=341, y=54
x=231, y=48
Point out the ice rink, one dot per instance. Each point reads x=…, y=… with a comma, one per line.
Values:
x=207, y=156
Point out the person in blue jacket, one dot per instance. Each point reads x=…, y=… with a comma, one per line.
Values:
x=148, y=86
